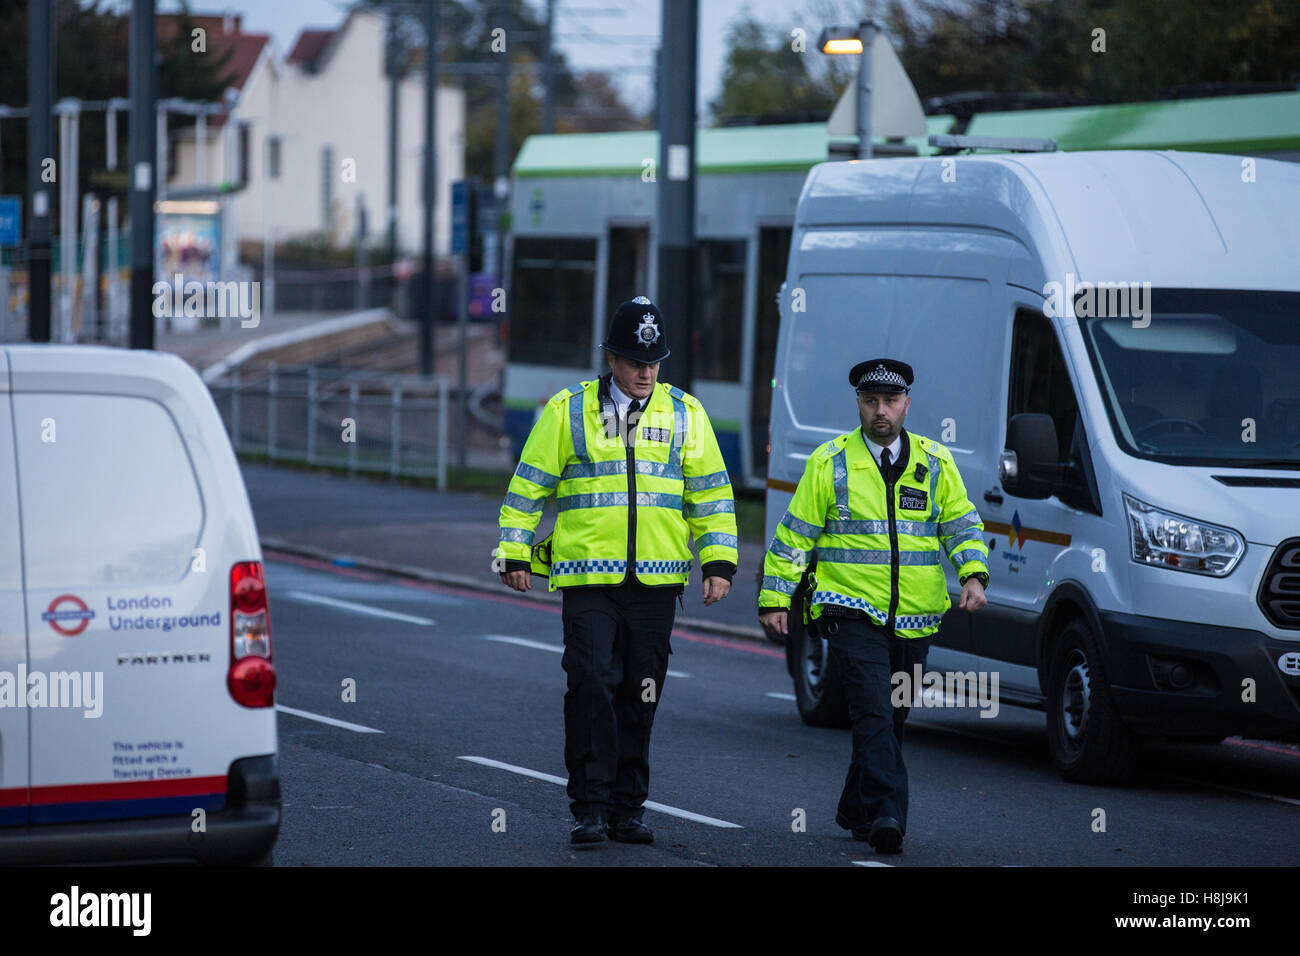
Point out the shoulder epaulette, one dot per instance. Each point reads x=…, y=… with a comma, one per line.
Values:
x=686, y=397
x=933, y=447
x=563, y=394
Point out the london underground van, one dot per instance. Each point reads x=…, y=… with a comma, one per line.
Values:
x=1109, y=344
x=137, y=717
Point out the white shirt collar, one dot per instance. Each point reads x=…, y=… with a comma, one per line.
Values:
x=621, y=400
x=894, y=447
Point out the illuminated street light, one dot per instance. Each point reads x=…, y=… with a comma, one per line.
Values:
x=837, y=41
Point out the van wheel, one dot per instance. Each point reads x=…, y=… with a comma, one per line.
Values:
x=817, y=688
x=1088, y=741
x=266, y=859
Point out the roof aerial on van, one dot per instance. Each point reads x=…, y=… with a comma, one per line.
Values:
x=1174, y=219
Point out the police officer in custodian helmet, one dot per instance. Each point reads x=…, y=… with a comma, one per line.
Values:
x=637, y=473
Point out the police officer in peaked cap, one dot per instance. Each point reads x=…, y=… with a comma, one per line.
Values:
x=881, y=508
x=637, y=473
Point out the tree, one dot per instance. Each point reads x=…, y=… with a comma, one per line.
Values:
x=763, y=77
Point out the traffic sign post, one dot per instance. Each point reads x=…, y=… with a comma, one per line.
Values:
x=464, y=229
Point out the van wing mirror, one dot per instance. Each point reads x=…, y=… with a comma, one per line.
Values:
x=1028, y=467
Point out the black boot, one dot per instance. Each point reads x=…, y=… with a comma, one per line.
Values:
x=589, y=829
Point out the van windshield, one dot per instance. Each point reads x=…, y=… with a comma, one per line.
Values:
x=1214, y=379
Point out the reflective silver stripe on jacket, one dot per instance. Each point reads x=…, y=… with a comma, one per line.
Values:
x=779, y=585
x=526, y=505
x=618, y=466
x=705, y=482
x=702, y=509
x=840, y=472
x=679, y=427
x=717, y=539
x=870, y=556
x=801, y=527
x=517, y=534
x=536, y=475
x=577, y=433
x=968, y=520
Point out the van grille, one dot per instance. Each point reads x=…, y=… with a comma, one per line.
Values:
x=1279, y=592
x=1257, y=481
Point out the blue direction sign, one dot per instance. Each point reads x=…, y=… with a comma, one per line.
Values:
x=460, y=215
x=11, y=220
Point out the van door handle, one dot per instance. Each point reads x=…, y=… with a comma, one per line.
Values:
x=993, y=495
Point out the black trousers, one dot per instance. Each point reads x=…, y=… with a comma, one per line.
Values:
x=866, y=656
x=615, y=640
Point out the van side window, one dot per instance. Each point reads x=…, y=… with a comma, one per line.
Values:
x=108, y=492
x=1039, y=380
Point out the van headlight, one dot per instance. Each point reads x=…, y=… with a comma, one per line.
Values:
x=1169, y=540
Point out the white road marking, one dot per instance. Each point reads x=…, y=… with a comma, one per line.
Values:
x=649, y=804
x=871, y=863
x=543, y=646
x=358, y=608
x=320, y=718
x=780, y=696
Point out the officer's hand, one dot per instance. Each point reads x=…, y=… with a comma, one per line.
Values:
x=972, y=595
x=519, y=580
x=774, y=622
x=715, y=589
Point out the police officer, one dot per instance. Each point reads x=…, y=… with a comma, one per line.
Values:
x=636, y=471
x=875, y=507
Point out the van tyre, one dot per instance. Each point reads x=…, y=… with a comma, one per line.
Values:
x=818, y=690
x=1087, y=738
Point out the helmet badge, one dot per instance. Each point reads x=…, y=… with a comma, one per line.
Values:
x=647, y=333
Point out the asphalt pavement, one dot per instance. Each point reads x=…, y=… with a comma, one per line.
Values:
x=452, y=752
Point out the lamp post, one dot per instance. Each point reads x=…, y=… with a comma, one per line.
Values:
x=837, y=41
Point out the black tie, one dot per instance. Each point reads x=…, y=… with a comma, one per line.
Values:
x=885, y=469
x=632, y=408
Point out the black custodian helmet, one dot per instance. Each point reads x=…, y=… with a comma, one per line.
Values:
x=637, y=332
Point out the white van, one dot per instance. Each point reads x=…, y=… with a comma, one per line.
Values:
x=1109, y=343
x=137, y=717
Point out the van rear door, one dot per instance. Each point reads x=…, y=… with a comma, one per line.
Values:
x=14, y=797
x=127, y=589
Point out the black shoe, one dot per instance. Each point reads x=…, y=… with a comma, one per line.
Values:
x=629, y=831
x=886, y=835
x=862, y=833
x=590, y=829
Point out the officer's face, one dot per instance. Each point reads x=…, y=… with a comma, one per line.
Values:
x=636, y=379
x=883, y=414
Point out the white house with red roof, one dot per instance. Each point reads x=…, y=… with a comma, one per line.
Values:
x=324, y=109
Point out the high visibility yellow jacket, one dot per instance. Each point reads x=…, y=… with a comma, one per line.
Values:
x=623, y=509
x=875, y=553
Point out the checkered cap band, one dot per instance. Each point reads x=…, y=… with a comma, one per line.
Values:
x=881, y=376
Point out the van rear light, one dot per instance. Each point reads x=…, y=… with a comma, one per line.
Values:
x=251, y=677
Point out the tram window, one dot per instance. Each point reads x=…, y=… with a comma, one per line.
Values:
x=553, y=292
x=721, y=309
x=628, y=259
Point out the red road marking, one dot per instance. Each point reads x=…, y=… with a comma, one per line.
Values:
x=320, y=565
x=1276, y=750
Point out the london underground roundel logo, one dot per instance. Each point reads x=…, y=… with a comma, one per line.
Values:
x=66, y=609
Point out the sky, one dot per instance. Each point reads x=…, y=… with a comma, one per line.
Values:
x=627, y=30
